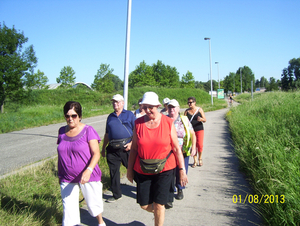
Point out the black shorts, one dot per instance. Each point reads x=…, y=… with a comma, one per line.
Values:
x=154, y=188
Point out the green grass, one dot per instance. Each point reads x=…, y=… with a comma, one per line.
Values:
x=265, y=133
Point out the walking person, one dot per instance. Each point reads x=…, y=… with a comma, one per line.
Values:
x=78, y=156
x=197, y=118
x=187, y=141
x=155, y=140
x=117, y=141
x=165, y=103
x=140, y=111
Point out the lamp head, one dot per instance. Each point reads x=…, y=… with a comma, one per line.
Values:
x=206, y=38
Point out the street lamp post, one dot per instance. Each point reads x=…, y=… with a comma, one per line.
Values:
x=241, y=80
x=211, y=86
x=218, y=73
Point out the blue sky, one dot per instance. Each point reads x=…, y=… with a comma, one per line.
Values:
x=261, y=34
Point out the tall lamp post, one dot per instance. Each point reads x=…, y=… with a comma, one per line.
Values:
x=241, y=80
x=218, y=73
x=211, y=86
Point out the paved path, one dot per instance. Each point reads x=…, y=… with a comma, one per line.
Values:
x=208, y=195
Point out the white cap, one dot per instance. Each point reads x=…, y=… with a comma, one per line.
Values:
x=166, y=100
x=174, y=103
x=117, y=97
x=150, y=98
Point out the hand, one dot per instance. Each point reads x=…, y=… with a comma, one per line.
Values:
x=127, y=146
x=183, y=178
x=130, y=175
x=193, y=152
x=85, y=176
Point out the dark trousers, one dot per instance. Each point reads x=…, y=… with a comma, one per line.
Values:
x=114, y=159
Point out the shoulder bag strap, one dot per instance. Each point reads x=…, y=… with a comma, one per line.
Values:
x=125, y=127
x=194, y=115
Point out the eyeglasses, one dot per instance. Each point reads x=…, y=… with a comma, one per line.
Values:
x=148, y=107
x=170, y=107
x=190, y=102
x=73, y=116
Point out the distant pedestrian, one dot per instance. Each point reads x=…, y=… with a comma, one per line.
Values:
x=197, y=118
x=78, y=156
x=140, y=111
x=118, y=135
x=165, y=103
x=154, y=140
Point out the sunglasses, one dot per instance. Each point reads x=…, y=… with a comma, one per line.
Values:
x=73, y=116
x=190, y=102
x=148, y=107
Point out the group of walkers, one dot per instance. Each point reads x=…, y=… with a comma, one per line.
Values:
x=153, y=145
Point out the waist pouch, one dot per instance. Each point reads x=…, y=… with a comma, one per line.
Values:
x=119, y=144
x=153, y=165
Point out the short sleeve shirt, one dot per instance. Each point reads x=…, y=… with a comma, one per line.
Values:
x=115, y=126
x=74, y=155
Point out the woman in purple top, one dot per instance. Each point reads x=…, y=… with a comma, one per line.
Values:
x=78, y=156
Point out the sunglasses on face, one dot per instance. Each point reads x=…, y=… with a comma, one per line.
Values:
x=148, y=107
x=73, y=116
x=190, y=102
x=170, y=107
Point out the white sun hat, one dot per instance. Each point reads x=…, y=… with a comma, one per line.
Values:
x=166, y=100
x=117, y=97
x=150, y=98
x=173, y=103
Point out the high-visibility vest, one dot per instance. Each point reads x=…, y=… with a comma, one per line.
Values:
x=187, y=139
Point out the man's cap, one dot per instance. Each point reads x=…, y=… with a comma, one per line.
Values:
x=117, y=97
x=166, y=100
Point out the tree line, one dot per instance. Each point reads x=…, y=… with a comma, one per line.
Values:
x=17, y=74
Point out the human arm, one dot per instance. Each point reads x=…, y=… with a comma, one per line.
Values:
x=179, y=157
x=95, y=152
x=132, y=157
x=105, y=142
x=194, y=139
x=203, y=118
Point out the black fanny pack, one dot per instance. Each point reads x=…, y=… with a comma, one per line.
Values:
x=118, y=144
x=153, y=165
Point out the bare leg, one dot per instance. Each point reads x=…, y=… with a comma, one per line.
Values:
x=100, y=219
x=148, y=208
x=159, y=214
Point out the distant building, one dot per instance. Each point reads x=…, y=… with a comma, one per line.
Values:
x=54, y=86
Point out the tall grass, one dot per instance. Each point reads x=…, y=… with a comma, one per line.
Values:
x=265, y=133
x=44, y=107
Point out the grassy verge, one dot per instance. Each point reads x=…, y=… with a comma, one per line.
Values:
x=265, y=133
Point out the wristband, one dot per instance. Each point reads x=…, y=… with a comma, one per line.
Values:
x=181, y=169
x=90, y=169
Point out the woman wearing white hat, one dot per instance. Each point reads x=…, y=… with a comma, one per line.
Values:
x=155, y=138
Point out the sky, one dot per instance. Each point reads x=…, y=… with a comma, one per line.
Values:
x=261, y=34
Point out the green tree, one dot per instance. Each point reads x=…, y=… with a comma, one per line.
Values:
x=290, y=77
x=272, y=85
x=15, y=62
x=188, y=80
x=247, y=77
x=66, y=78
x=36, y=80
x=229, y=82
x=141, y=76
x=105, y=81
x=165, y=76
